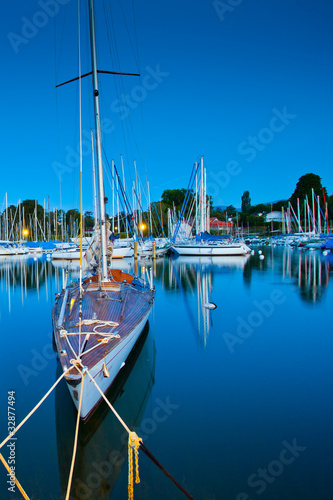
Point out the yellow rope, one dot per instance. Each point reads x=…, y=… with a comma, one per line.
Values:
x=130, y=472
x=133, y=444
x=75, y=439
x=25, y=496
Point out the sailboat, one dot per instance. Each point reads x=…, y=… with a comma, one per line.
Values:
x=204, y=244
x=98, y=320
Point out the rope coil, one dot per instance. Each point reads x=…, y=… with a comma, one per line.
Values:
x=134, y=443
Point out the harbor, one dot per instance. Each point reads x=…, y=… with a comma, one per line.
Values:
x=217, y=395
x=166, y=250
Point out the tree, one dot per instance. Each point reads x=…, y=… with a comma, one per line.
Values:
x=173, y=197
x=246, y=202
x=230, y=210
x=279, y=204
x=72, y=215
x=260, y=208
x=89, y=220
x=304, y=188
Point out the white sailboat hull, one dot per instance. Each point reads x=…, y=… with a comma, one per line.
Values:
x=114, y=361
x=117, y=253
x=211, y=250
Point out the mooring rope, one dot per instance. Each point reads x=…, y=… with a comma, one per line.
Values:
x=134, y=443
x=108, y=403
x=25, y=496
x=75, y=439
x=10, y=436
x=160, y=466
x=35, y=408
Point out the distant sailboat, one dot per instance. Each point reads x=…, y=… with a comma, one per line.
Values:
x=204, y=244
x=97, y=321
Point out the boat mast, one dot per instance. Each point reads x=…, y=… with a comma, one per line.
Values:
x=98, y=140
x=94, y=177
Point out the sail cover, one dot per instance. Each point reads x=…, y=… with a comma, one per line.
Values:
x=92, y=258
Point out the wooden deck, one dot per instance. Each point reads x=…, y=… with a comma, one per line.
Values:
x=120, y=300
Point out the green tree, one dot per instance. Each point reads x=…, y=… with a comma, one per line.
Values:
x=246, y=202
x=260, y=208
x=279, y=204
x=230, y=210
x=72, y=215
x=174, y=197
x=304, y=188
x=89, y=220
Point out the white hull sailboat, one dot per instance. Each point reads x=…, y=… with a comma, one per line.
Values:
x=114, y=313
x=74, y=254
x=211, y=250
x=98, y=320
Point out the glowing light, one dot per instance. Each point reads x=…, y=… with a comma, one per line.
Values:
x=25, y=232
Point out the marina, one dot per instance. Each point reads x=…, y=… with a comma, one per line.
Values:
x=165, y=280
x=217, y=395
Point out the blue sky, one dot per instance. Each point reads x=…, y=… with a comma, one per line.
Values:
x=246, y=84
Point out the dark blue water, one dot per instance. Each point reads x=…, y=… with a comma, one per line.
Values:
x=235, y=402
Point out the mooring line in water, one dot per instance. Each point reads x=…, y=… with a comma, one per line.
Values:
x=135, y=443
x=160, y=466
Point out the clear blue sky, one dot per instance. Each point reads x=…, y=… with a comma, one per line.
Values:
x=247, y=84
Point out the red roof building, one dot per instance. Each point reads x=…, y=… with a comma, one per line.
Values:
x=217, y=225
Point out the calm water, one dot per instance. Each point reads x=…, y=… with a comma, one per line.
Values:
x=236, y=402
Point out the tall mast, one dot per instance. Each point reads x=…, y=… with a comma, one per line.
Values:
x=201, y=198
x=122, y=167
x=98, y=139
x=94, y=176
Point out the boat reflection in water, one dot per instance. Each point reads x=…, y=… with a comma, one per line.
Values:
x=23, y=274
x=102, y=442
x=308, y=270
x=195, y=276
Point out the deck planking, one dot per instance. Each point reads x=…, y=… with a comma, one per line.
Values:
x=119, y=301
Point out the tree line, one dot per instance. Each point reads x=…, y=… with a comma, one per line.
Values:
x=39, y=224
